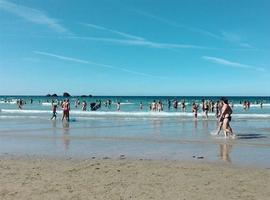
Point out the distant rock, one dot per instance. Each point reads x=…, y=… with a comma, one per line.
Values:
x=48, y=95
x=65, y=94
x=54, y=95
x=87, y=96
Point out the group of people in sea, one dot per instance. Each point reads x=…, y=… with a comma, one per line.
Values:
x=246, y=104
x=156, y=105
x=221, y=108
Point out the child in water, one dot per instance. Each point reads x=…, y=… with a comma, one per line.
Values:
x=54, y=112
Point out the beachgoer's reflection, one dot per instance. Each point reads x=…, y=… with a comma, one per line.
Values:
x=195, y=124
x=157, y=124
x=65, y=136
x=225, y=150
x=54, y=124
x=54, y=132
x=205, y=125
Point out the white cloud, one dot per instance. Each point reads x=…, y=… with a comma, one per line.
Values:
x=62, y=57
x=224, y=36
x=71, y=59
x=235, y=38
x=135, y=40
x=177, y=25
x=228, y=63
x=32, y=15
x=126, y=35
x=145, y=43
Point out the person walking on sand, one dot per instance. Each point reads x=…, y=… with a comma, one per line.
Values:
x=225, y=117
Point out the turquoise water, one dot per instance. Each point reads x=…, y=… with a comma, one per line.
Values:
x=170, y=134
x=131, y=104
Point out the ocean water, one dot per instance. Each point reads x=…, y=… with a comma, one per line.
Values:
x=135, y=133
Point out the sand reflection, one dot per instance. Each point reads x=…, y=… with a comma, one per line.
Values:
x=225, y=150
x=65, y=137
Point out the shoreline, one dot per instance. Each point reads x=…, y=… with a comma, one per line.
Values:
x=31, y=177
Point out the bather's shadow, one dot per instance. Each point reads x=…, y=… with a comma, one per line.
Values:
x=250, y=136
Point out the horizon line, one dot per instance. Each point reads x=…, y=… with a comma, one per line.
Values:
x=36, y=95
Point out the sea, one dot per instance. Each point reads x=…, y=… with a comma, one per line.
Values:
x=134, y=132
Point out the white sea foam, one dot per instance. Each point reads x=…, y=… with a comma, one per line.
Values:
x=128, y=103
x=8, y=102
x=252, y=105
x=46, y=104
x=21, y=117
x=13, y=111
x=214, y=132
x=131, y=114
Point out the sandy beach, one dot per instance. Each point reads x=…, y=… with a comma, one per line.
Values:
x=48, y=178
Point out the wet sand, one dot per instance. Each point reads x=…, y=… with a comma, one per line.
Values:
x=51, y=178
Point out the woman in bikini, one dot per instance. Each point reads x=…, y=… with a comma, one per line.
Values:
x=225, y=117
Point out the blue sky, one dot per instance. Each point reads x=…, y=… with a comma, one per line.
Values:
x=128, y=47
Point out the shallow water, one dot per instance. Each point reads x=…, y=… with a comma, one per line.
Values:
x=172, y=135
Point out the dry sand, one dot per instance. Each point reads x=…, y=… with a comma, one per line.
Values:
x=46, y=178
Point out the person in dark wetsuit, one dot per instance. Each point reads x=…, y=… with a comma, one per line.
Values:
x=169, y=104
x=183, y=106
x=54, y=112
x=175, y=104
x=20, y=103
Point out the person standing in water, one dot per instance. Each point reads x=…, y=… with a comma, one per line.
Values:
x=66, y=108
x=183, y=106
x=141, y=105
x=20, y=103
x=205, y=108
x=159, y=106
x=118, y=106
x=84, y=105
x=154, y=106
x=219, y=120
x=175, y=104
x=169, y=104
x=195, y=110
x=225, y=117
x=54, y=107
